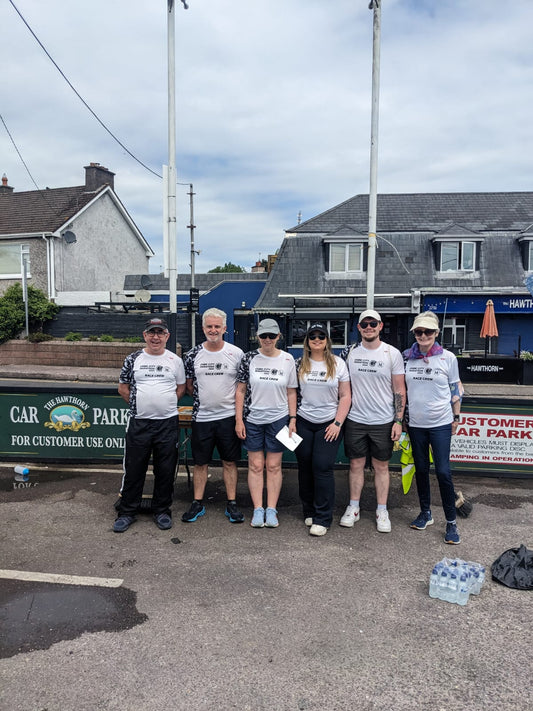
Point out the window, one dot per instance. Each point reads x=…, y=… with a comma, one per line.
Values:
x=458, y=256
x=11, y=261
x=346, y=257
x=454, y=333
x=336, y=328
x=529, y=266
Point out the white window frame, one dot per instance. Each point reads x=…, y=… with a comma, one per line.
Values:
x=328, y=322
x=461, y=257
x=457, y=331
x=348, y=247
x=530, y=256
x=17, y=251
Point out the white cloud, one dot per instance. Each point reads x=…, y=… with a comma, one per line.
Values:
x=273, y=106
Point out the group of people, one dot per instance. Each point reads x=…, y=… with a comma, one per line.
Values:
x=248, y=399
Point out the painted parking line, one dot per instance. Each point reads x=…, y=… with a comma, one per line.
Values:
x=62, y=579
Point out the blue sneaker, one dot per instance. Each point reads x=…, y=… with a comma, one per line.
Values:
x=258, y=519
x=122, y=523
x=452, y=534
x=423, y=519
x=233, y=513
x=163, y=521
x=196, y=510
x=271, y=518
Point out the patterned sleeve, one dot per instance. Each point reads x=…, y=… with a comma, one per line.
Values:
x=188, y=362
x=243, y=374
x=126, y=374
x=345, y=353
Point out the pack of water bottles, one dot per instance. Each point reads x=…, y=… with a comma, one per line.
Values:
x=455, y=580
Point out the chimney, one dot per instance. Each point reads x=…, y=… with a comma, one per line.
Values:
x=96, y=176
x=5, y=189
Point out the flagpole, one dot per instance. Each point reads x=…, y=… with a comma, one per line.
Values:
x=375, y=5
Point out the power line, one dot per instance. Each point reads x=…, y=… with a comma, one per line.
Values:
x=41, y=192
x=79, y=95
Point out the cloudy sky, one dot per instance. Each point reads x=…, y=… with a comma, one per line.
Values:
x=273, y=106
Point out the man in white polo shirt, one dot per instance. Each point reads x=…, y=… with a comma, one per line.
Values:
x=151, y=381
x=211, y=370
x=374, y=422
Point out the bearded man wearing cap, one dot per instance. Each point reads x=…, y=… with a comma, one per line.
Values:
x=374, y=422
x=151, y=381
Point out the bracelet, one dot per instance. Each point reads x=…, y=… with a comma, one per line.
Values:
x=292, y=417
x=398, y=422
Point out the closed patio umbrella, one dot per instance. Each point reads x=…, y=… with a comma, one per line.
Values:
x=489, y=329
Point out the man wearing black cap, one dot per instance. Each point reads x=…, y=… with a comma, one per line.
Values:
x=374, y=422
x=151, y=381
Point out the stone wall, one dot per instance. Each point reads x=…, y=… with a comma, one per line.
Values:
x=68, y=353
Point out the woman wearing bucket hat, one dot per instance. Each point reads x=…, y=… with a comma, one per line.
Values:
x=434, y=393
x=324, y=401
x=265, y=401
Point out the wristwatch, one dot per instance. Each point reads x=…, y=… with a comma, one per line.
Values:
x=337, y=423
x=456, y=418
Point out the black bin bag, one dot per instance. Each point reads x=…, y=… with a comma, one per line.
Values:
x=514, y=568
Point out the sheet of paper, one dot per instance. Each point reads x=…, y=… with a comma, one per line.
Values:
x=289, y=442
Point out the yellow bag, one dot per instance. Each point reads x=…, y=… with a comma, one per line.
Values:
x=408, y=463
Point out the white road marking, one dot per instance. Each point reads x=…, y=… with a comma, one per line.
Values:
x=58, y=578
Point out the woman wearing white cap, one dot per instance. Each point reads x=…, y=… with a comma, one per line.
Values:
x=324, y=401
x=434, y=393
x=265, y=401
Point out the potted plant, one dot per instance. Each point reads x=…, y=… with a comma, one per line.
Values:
x=527, y=367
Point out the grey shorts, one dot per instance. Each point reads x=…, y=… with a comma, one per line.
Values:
x=362, y=440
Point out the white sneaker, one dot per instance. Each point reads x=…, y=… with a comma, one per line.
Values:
x=308, y=521
x=383, y=521
x=350, y=516
x=318, y=530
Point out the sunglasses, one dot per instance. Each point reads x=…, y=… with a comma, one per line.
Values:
x=424, y=332
x=369, y=324
x=315, y=336
x=271, y=336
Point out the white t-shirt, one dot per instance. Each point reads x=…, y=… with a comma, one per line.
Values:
x=153, y=380
x=428, y=383
x=214, y=376
x=371, y=372
x=267, y=382
x=319, y=396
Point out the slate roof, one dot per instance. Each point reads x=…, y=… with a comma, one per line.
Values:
x=35, y=211
x=406, y=226
x=423, y=212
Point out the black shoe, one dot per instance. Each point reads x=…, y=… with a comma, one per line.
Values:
x=233, y=513
x=196, y=510
x=163, y=521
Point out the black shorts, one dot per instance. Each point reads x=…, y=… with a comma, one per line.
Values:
x=216, y=433
x=362, y=440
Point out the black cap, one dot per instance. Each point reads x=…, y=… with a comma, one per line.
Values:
x=318, y=326
x=154, y=323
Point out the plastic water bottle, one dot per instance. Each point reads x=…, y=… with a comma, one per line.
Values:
x=443, y=584
x=21, y=473
x=453, y=587
x=434, y=583
x=464, y=590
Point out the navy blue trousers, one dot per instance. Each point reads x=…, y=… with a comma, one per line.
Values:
x=316, y=479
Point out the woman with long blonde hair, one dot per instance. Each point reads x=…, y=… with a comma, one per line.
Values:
x=324, y=399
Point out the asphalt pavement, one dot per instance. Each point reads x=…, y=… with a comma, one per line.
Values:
x=213, y=615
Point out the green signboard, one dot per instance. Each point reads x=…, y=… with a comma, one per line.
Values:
x=74, y=424
x=54, y=423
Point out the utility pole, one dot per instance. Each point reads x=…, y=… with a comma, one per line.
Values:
x=193, y=271
x=375, y=5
